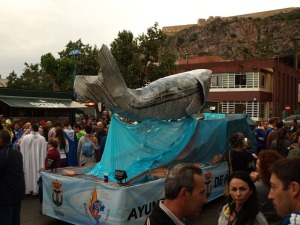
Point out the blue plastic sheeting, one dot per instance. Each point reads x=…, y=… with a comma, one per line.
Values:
x=145, y=146
x=213, y=116
x=153, y=143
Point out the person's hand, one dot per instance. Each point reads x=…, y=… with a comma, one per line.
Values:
x=254, y=176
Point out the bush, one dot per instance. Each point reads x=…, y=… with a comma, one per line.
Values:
x=193, y=37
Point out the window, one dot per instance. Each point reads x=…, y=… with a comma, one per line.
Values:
x=240, y=80
x=227, y=107
x=251, y=108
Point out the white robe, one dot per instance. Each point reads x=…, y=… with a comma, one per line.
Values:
x=34, y=150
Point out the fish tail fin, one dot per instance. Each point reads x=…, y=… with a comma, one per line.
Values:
x=112, y=78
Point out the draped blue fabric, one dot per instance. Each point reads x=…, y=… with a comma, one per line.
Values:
x=153, y=143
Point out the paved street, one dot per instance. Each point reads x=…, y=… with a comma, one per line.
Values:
x=30, y=213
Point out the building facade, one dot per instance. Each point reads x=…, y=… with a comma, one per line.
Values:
x=260, y=88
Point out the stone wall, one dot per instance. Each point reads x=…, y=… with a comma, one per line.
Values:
x=172, y=30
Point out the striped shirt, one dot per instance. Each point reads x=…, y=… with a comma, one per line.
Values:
x=292, y=219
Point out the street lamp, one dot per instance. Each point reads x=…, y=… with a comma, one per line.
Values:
x=75, y=53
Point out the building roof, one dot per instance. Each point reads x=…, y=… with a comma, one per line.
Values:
x=200, y=59
x=3, y=82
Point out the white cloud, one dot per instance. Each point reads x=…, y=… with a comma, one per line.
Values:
x=29, y=29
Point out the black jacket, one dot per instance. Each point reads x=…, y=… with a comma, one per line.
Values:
x=159, y=217
x=12, y=183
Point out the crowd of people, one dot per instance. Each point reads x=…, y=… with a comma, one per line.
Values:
x=263, y=186
x=26, y=150
x=274, y=198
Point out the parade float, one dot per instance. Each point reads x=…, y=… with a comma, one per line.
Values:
x=129, y=180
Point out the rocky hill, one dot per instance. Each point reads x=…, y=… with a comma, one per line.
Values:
x=240, y=38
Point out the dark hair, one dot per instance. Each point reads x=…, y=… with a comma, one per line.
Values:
x=181, y=176
x=280, y=141
x=57, y=124
x=267, y=158
x=59, y=134
x=35, y=127
x=236, y=139
x=287, y=170
x=78, y=126
x=88, y=129
x=272, y=120
x=5, y=136
x=17, y=121
x=66, y=123
x=248, y=212
x=279, y=124
x=53, y=142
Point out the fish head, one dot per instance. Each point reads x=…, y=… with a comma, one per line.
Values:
x=204, y=77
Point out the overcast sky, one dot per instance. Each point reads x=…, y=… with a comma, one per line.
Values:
x=31, y=28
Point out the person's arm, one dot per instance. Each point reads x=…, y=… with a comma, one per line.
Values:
x=273, y=145
x=79, y=148
x=269, y=140
x=67, y=146
x=46, y=161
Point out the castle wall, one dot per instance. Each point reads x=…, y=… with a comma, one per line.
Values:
x=172, y=30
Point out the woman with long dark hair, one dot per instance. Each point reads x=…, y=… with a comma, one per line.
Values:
x=266, y=159
x=63, y=146
x=242, y=208
x=281, y=143
x=238, y=158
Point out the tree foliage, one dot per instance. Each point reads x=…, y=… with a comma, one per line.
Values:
x=32, y=78
x=87, y=61
x=141, y=59
x=57, y=73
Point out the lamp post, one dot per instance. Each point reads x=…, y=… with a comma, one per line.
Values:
x=74, y=53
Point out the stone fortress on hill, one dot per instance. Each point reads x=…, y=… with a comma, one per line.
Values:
x=172, y=30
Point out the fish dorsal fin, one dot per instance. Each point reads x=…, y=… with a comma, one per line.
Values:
x=111, y=75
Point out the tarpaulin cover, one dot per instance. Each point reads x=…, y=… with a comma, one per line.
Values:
x=153, y=143
x=213, y=116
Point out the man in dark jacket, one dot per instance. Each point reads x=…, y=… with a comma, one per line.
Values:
x=184, y=196
x=12, y=184
x=261, y=137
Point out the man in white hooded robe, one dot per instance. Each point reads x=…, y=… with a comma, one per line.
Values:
x=34, y=150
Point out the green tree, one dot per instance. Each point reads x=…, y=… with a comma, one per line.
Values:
x=125, y=51
x=32, y=78
x=87, y=61
x=141, y=59
x=13, y=80
x=57, y=73
x=60, y=71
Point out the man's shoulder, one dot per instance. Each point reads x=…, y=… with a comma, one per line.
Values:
x=291, y=219
x=158, y=216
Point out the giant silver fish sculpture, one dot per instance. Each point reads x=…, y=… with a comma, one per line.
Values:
x=171, y=97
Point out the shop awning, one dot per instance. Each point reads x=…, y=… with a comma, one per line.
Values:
x=29, y=102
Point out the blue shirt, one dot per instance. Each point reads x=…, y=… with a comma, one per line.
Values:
x=259, y=132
